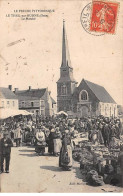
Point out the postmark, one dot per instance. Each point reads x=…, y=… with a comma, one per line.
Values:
x=104, y=16
x=100, y=17
x=85, y=19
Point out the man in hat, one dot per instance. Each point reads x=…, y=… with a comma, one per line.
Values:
x=5, y=146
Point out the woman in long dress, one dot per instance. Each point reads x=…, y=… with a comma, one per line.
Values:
x=65, y=158
x=17, y=135
x=50, y=142
x=57, y=141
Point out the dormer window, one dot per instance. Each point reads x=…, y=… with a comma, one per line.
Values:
x=83, y=96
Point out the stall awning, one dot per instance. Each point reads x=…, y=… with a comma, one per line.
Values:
x=6, y=113
x=62, y=112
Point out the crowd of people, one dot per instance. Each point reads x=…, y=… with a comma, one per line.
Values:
x=56, y=134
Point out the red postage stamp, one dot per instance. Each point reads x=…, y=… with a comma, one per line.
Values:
x=104, y=16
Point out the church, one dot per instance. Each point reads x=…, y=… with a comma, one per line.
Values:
x=85, y=99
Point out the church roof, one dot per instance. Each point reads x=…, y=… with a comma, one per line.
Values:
x=6, y=93
x=100, y=92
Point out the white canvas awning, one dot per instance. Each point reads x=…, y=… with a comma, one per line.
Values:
x=6, y=113
x=62, y=112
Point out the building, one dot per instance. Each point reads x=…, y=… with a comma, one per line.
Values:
x=37, y=101
x=66, y=84
x=92, y=99
x=87, y=98
x=120, y=110
x=7, y=98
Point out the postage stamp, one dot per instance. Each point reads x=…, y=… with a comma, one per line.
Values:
x=85, y=19
x=104, y=16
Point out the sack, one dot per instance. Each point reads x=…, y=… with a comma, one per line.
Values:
x=97, y=180
x=46, y=149
x=93, y=178
x=41, y=143
x=109, y=169
x=66, y=158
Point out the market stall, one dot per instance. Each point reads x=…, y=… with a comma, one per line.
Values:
x=6, y=113
x=99, y=164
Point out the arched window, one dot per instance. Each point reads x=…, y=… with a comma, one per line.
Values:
x=103, y=107
x=63, y=89
x=114, y=111
x=110, y=111
x=83, y=95
x=105, y=110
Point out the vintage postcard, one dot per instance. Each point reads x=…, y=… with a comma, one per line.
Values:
x=61, y=96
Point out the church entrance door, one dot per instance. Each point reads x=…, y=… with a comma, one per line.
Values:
x=84, y=111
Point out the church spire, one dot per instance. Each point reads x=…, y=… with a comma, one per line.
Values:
x=65, y=51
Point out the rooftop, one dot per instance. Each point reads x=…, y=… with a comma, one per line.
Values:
x=6, y=93
x=100, y=92
x=31, y=93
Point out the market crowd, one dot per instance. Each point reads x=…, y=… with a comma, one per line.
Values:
x=56, y=134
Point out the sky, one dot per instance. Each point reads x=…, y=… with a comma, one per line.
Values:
x=35, y=59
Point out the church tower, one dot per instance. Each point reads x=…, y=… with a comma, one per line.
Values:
x=66, y=84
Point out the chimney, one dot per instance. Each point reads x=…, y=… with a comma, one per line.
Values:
x=10, y=87
x=29, y=88
x=16, y=89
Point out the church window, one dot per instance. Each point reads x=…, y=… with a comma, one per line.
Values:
x=105, y=110
x=110, y=111
x=114, y=112
x=103, y=107
x=83, y=95
x=64, y=89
